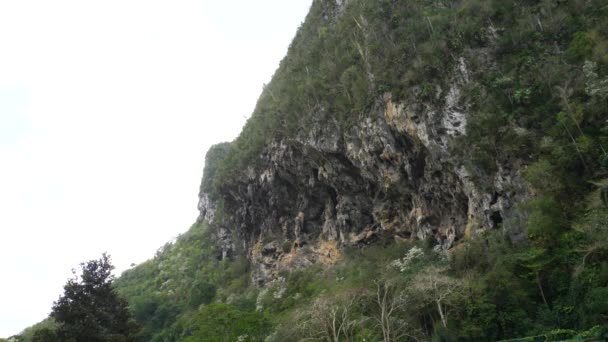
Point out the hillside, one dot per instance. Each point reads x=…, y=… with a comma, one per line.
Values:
x=415, y=170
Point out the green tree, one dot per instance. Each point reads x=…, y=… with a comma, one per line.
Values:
x=45, y=335
x=90, y=310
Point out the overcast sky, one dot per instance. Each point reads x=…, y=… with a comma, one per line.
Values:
x=106, y=111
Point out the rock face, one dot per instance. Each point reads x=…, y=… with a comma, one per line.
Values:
x=391, y=174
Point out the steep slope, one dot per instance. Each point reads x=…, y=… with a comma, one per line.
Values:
x=412, y=119
x=402, y=141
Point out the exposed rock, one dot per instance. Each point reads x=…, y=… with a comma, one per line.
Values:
x=206, y=208
x=389, y=174
x=225, y=243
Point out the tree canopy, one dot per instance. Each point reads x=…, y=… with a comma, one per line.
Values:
x=89, y=309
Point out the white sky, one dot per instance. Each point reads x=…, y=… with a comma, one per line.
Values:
x=106, y=111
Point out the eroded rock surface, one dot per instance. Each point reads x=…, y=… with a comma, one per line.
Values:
x=390, y=174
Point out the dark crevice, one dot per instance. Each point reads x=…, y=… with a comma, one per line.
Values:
x=496, y=218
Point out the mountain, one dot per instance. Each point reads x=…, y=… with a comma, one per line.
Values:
x=415, y=170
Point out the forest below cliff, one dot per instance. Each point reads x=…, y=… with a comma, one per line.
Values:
x=415, y=170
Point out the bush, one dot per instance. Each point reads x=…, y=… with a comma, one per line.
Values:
x=221, y=322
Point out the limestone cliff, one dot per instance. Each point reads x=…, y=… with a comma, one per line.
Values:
x=390, y=172
x=415, y=170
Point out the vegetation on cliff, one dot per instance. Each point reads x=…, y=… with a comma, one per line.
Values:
x=536, y=99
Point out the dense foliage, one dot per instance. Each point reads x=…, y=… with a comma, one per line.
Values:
x=89, y=310
x=165, y=293
x=486, y=289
